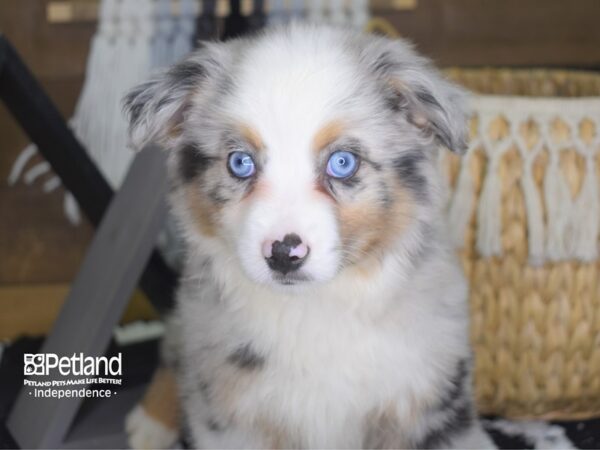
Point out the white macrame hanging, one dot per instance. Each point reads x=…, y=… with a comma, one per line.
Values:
x=185, y=27
x=316, y=10
x=134, y=37
x=278, y=12
x=165, y=27
x=352, y=13
x=560, y=226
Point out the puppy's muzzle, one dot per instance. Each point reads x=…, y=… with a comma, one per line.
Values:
x=287, y=255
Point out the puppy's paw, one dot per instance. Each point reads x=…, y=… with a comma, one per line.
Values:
x=145, y=432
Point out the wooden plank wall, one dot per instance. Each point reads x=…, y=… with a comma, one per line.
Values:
x=40, y=251
x=527, y=33
x=37, y=244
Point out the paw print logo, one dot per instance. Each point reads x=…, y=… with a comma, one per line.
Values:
x=34, y=364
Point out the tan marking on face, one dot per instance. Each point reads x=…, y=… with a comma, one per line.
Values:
x=252, y=136
x=327, y=134
x=320, y=192
x=260, y=189
x=367, y=227
x=204, y=212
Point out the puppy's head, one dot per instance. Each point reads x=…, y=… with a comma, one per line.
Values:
x=303, y=151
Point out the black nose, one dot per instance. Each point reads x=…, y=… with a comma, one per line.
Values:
x=287, y=255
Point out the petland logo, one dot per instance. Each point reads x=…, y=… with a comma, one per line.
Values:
x=78, y=365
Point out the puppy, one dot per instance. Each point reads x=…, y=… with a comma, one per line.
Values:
x=321, y=304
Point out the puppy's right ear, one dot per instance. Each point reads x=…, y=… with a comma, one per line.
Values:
x=156, y=109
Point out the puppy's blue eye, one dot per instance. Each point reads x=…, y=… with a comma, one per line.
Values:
x=241, y=164
x=342, y=164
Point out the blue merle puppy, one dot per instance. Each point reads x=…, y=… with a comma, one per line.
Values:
x=321, y=304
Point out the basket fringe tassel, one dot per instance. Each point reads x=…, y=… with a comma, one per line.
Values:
x=559, y=227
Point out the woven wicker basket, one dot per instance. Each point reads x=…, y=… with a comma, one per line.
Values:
x=524, y=210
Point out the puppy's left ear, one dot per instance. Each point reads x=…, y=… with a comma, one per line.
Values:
x=157, y=108
x=416, y=89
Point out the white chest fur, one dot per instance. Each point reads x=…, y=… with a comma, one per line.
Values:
x=327, y=359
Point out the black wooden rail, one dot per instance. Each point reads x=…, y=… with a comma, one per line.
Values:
x=43, y=123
